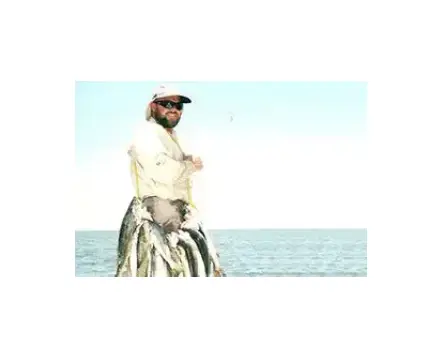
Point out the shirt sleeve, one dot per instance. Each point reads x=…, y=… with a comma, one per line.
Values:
x=150, y=154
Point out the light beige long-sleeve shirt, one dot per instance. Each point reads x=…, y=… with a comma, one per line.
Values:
x=160, y=165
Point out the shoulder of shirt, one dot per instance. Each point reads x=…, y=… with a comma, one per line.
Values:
x=147, y=136
x=146, y=128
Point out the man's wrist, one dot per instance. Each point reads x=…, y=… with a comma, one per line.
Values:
x=190, y=167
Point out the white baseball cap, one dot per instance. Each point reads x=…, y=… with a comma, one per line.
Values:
x=166, y=91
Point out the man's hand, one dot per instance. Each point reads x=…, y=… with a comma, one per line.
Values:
x=197, y=163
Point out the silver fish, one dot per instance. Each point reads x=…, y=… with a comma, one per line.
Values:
x=159, y=268
x=162, y=248
x=148, y=249
x=193, y=253
x=184, y=261
x=176, y=269
x=218, y=271
x=202, y=245
x=172, y=241
x=192, y=224
x=128, y=245
x=144, y=251
x=127, y=236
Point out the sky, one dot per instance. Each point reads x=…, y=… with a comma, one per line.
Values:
x=293, y=155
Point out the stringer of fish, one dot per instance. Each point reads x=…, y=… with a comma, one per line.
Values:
x=146, y=251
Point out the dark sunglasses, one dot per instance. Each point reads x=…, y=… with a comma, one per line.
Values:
x=170, y=104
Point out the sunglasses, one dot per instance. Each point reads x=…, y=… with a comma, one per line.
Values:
x=170, y=104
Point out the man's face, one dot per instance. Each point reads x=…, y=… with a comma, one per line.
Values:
x=165, y=111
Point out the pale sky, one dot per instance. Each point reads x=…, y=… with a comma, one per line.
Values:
x=293, y=156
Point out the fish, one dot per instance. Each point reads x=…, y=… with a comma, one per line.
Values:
x=172, y=243
x=144, y=252
x=218, y=271
x=196, y=227
x=161, y=248
x=184, y=261
x=170, y=215
x=127, y=243
x=193, y=254
x=187, y=255
x=159, y=268
x=202, y=245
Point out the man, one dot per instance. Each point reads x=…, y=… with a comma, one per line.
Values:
x=161, y=172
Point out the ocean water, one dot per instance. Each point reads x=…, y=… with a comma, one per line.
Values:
x=271, y=253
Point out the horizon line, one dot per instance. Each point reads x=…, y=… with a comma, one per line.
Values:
x=256, y=228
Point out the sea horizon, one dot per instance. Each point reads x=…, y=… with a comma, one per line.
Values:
x=261, y=252
x=249, y=229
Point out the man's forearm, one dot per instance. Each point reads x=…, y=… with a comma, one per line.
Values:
x=167, y=170
x=163, y=168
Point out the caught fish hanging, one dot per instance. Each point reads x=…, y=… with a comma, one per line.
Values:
x=146, y=249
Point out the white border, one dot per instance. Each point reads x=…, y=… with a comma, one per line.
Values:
x=394, y=47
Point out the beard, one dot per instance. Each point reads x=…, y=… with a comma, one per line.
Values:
x=164, y=122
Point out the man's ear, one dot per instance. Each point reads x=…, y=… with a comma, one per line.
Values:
x=150, y=110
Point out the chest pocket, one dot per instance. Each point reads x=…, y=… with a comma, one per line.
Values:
x=172, y=148
x=160, y=160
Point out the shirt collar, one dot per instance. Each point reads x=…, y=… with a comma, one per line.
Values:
x=173, y=133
